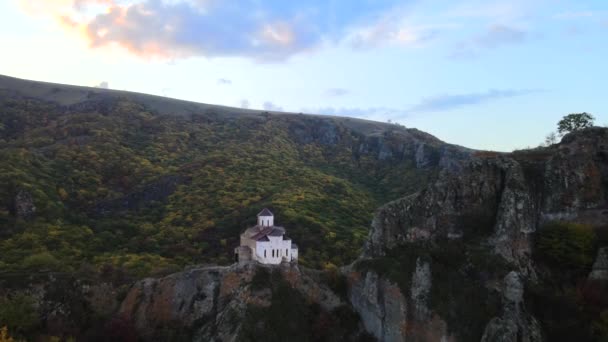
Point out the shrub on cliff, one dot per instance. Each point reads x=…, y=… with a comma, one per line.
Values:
x=569, y=245
x=18, y=313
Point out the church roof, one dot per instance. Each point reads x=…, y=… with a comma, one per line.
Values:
x=258, y=233
x=265, y=212
x=277, y=231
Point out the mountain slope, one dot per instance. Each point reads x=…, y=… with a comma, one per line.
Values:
x=510, y=247
x=141, y=184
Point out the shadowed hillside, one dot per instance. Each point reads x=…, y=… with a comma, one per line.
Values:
x=134, y=184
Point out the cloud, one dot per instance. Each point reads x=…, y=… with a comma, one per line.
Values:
x=184, y=28
x=393, y=28
x=498, y=35
x=447, y=102
x=103, y=85
x=493, y=37
x=244, y=104
x=267, y=31
x=437, y=103
x=272, y=107
x=574, y=15
x=337, y=92
x=223, y=81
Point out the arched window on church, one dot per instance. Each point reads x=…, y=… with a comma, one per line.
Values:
x=264, y=253
x=273, y=253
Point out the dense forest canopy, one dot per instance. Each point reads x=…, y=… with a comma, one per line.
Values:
x=110, y=184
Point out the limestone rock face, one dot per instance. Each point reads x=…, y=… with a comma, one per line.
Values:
x=488, y=196
x=421, y=286
x=576, y=174
x=210, y=303
x=392, y=143
x=391, y=316
x=493, y=200
x=600, y=266
x=504, y=195
x=381, y=305
x=24, y=205
x=515, y=324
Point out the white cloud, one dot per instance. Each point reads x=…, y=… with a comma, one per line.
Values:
x=103, y=85
x=336, y=92
x=450, y=101
x=493, y=37
x=272, y=107
x=394, y=28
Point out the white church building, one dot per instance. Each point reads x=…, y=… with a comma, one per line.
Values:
x=266, y=243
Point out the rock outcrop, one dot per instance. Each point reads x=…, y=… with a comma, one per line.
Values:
x=515, y=324
x=600, y=266
x=24, y=205
x=212, y=303
x=495, y=201
x=381, y=305
x=395, y=143
x=489, y=196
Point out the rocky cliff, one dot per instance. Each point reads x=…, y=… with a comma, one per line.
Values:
x=240, y=303
x=478, y=226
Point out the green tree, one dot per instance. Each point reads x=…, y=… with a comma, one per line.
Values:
x=574, y=122
x=569, y=245
x=18, y=312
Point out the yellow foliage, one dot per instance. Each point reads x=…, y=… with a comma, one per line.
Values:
x=62, y=194
x=5, y=337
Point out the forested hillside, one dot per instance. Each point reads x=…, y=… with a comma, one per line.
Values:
x=118, y=183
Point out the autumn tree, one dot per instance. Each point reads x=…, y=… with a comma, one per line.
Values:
x=4, y=336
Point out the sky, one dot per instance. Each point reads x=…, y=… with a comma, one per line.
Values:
x=491, y=74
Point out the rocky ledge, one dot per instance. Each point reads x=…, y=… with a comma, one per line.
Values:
x=239, y=302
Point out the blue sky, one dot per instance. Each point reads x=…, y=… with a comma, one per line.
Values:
x=483, y=74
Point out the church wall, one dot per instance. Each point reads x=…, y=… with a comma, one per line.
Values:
x=281, y=247
x=294, y=254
